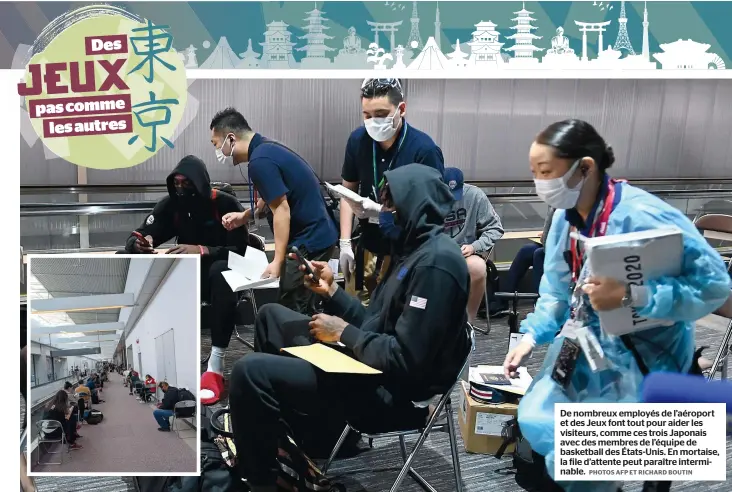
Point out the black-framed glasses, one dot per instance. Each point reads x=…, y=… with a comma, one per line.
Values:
x=369, y=87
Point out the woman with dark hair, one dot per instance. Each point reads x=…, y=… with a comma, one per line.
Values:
x=569, y=161
x=60, y=411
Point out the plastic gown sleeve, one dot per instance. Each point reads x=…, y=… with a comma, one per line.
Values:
x=552, y=308
x=702, y=287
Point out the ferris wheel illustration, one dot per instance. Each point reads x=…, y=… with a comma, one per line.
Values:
x=717, y=63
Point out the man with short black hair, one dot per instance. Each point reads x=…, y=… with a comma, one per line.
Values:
x=384, y=142
x=291, y=189
x=165, y=409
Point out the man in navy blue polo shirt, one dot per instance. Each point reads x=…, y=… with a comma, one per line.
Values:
x=291, y=189
x=386, y=141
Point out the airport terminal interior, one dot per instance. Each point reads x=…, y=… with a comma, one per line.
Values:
x=671, y=138
x=93, y=320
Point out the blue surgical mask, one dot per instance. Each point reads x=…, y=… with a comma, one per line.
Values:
x=387, y=226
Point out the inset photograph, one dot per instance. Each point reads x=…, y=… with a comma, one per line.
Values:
x=113, y=364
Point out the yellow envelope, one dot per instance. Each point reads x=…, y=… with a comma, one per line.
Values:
x=330, y=360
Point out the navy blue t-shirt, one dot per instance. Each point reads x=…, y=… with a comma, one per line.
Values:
x=358, y=165
x=275, y=171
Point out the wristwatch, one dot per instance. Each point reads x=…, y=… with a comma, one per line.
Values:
x=627, y=300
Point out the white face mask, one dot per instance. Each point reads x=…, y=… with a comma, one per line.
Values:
x=223, y=158
x=382, y=129
x=556, y=193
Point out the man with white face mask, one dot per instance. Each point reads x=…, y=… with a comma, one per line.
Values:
x=385, y=142
x=290, y=188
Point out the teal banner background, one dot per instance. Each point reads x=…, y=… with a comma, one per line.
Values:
x=202, y=25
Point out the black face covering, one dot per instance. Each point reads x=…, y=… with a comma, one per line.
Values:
x=187, y=197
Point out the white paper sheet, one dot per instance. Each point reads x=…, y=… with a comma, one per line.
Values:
x=246, y=271
x=345, y=192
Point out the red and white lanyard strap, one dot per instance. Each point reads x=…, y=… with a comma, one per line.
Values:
x=598, y=228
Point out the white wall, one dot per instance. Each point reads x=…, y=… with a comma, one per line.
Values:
x=175, y=305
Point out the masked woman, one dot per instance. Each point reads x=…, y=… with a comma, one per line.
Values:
x=569, y=161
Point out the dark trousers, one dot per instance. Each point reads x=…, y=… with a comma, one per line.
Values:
x=267, y=387
x=222, y=299
x=530, y=255
x=293, y=294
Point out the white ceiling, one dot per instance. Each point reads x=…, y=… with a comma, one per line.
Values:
x=58, y=277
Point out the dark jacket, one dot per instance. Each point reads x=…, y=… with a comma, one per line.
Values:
x=58, y=416
x=175, y=395
x=415, y=327
x=196, y=221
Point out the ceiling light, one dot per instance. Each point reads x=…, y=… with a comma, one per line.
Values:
x=75, y=310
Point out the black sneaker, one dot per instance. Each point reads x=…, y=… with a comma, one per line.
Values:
x=163, y=430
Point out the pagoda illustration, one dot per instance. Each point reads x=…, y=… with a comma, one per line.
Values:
x=523, y=49
x=222, y=57
x=485, y=49
x=250, y=58
x=277, y=47
x=458, y=58
x=315, y=48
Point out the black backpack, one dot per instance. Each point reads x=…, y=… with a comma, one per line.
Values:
x=297, y=471
x=216, y=475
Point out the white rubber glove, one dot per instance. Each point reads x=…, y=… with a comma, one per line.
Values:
x=347, y=259
x=366, y=209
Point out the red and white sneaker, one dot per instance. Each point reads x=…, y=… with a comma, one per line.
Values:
x=212, y=387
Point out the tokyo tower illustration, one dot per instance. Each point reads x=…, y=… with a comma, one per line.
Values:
x=414, y=33
x=623, y=41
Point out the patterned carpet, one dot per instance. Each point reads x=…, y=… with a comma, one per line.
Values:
x=374, y=470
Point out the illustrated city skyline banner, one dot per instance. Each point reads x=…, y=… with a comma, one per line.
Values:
x=446, y=36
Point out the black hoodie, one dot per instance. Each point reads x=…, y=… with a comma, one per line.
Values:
x=414, y=329
x=197, y=219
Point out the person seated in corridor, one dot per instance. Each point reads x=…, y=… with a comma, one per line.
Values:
x=61, y=411
x=529, y=256
x=148, y=388
x=83, y=391
x=414, y=331
x=134, y=379
x=194, y=213
x=474, y=224
x=164, y=409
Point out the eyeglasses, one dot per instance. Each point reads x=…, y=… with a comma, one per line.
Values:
x=371, y=86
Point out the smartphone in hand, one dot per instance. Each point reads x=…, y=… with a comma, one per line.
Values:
x=308, y=271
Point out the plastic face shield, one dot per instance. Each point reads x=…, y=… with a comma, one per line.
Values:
x=372, y=87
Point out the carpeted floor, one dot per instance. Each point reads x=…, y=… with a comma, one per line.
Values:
x=126, y=441
x=374, y=470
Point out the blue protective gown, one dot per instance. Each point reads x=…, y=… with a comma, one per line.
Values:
x=702, y=287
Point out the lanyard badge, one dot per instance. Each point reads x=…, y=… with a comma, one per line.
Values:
x=376, y=187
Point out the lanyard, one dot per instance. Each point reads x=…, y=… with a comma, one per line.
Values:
x=597, y=228
x=373, y=155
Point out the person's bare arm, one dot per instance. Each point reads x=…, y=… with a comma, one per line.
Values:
x=346, y=212
x=281, y=221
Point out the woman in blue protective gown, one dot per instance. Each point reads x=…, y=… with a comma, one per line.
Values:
x=569, y=161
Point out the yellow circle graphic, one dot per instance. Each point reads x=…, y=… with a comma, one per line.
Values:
x=106, y=91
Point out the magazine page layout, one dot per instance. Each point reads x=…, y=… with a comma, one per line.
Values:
x=369, y=246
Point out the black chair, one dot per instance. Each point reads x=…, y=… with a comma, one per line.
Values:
x=442, y=410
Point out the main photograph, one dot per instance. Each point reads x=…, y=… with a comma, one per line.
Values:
x=386, y=258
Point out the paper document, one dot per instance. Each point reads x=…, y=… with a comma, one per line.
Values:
x=246, y=271
x=345, y=192
x=634, y=259
x=330, y=360
x=518, y=385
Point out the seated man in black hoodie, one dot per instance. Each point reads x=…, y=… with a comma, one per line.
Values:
x=414, y=331
x=192, y=212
